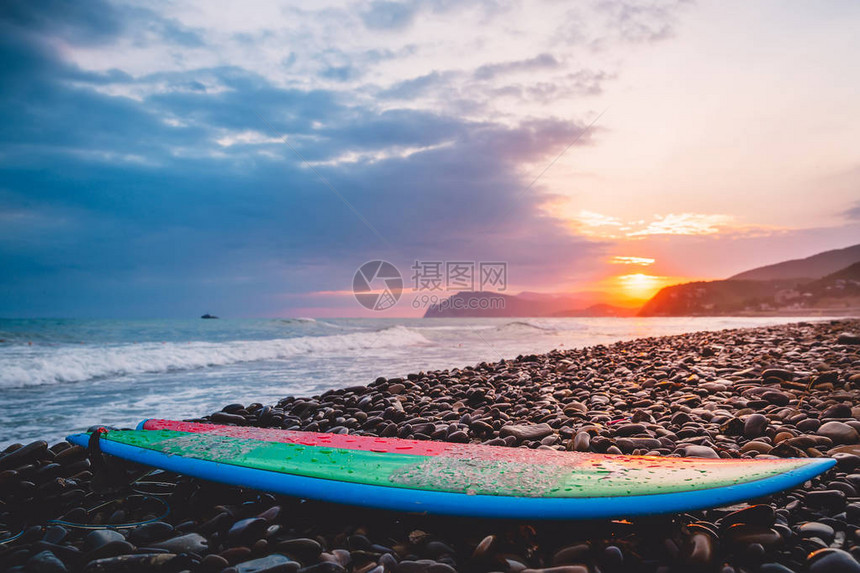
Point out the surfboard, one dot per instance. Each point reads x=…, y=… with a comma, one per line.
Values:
x=451, y=479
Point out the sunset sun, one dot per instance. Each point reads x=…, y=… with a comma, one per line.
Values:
x=639, y=286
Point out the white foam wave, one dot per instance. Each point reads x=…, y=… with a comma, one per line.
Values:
x=37, y=366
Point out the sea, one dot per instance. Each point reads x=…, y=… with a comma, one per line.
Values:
x=62, y=376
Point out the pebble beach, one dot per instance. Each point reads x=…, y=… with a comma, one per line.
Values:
x=776, y=391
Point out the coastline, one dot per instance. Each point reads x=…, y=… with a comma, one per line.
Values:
x=732, y=393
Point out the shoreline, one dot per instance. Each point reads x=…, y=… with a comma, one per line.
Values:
x=732, y=393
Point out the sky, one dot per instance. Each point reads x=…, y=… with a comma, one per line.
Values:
x=170, y=158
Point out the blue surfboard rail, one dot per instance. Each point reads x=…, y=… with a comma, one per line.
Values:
x=459, y=504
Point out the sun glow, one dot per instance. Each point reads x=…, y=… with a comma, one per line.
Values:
x=639, y=286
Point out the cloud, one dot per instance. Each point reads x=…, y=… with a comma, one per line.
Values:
x=144, y=168
x=340, y=73
x=417, y=86
x=685, y=224
x=592, y=219
x=639, y=22
x=640, y=261
x=158, y=193
x=539, y=62
x=604, y=23
x=603, y=226
x=388, y=15
x=84, y=23
x=853, y=213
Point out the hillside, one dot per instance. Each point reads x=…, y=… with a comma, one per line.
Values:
x=851, y=273
x=814, y=267
x=837, y=293
x=826, y=283
x=715, y=297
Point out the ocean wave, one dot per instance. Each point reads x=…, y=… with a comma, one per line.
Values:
x=519, y=325
x=467, y=327
x=41, y=366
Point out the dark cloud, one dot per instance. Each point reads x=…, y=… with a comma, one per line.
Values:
x=92, y=23
x=83, y=23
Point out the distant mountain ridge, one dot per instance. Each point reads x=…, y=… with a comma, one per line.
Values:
x=814, y=267
x=828, y=282
x=472, y=304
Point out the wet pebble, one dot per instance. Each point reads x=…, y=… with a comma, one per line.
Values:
x=274, y=563
x=188, y=543
x=832, y=561
x=149, y=532
x=831, y=499
x=246, y=530
x=100, y=538
x=700, y=452
x=815, y=529
x=526, y=432
x=130, y=563
x=760, y=514
x=755, y=425
x=839, y=433
x=45, y=562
